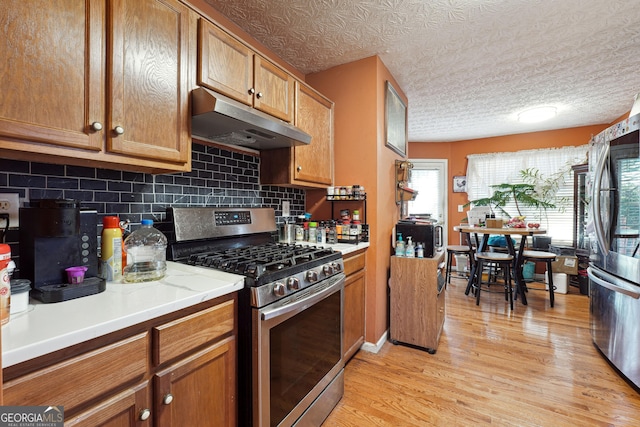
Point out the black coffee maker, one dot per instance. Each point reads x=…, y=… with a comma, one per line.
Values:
x=56, y=234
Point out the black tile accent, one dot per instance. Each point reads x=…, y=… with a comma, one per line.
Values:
x=47, y=169
x=218, y=177
x=81, y=172
x=69, y=183
x=17, y=166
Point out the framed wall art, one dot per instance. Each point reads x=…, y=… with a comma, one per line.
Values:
x=459, y=184
x=395, y=122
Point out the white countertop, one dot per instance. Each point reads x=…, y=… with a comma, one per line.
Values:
x=45, y=328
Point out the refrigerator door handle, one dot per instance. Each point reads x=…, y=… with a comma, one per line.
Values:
x=597, y=188
x=613, y=283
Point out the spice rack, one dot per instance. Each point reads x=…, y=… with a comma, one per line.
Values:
x=364, y=235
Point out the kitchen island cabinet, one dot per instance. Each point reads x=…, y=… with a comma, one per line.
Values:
x=189, y=374
x=304, y=165
x=354, y=303
x=97, y=83
x=417, y=301
x=228, y=66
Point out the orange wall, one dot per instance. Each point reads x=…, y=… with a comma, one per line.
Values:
x=358, y=91
x=456, y=153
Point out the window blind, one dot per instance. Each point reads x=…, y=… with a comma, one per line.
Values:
x=484, y=170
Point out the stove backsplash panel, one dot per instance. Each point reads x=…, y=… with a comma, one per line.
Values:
x=219, y=178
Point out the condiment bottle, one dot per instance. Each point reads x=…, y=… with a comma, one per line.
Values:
x=313, y=227
x=111, y=249
x=5, y=283
x=321, y=233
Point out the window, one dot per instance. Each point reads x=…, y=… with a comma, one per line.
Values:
x=428, y=178
x=484, y=170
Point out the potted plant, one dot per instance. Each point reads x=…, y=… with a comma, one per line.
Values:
x=535, y=192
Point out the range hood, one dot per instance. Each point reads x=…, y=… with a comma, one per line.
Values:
x=218, y=118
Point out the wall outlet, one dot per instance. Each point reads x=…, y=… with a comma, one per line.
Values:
x=286, y=208
x=460, y=208
x=10, y=203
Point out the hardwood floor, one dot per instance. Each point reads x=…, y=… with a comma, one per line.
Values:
x=535, y=366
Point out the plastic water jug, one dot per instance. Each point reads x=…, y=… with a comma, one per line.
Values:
x=146, y=250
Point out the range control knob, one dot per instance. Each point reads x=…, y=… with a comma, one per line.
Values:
x=278, y=289
x=336, y=266
x=293, y=283
x=328, y=269
x=312, y=276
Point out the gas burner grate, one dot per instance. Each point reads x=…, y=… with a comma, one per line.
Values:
x=255, y=261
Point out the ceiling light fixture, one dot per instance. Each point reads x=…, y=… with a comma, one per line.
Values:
x=537, y=114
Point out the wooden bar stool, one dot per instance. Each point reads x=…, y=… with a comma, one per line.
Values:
x=494, y=259
x=455, y=250
x=547, y=258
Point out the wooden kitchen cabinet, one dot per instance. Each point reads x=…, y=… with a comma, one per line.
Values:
x=354, y=303
x=177, y=368
x=228, y=66
x=417, y=301
x=96, y=82
x=304, y=165
x=128, y=408
x=200, y=387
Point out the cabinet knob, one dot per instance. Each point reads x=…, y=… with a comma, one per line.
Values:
x=96, y=126
x=259, y=95
x=167, y=399
x=145, y=414
x=299, y=168
x=252, y=91
x=119, y=130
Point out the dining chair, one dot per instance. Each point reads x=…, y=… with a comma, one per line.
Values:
x=545, y=257
x=493, y=260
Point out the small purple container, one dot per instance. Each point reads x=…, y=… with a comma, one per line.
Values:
x=75, y=275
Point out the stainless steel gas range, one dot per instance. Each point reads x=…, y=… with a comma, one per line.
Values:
x=289, y=317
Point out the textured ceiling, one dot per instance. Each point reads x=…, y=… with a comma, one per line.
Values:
x=468, y=66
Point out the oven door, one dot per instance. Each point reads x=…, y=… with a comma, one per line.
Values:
x=297, y=345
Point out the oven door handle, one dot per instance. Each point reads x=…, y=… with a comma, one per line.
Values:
x=333, y=283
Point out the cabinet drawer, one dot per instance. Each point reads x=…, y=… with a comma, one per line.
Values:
x=187, y=333
x=82, y=378
x=354, y=263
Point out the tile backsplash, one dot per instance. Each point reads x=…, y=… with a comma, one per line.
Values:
x=218, y=178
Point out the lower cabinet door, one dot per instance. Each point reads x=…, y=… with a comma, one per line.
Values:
x=354, y=301
x=132, y=407
x=199, y=390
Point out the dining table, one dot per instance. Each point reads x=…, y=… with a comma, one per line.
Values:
x=507, y=232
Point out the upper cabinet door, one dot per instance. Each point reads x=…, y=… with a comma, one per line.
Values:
x=314, y=114
x=148, y=79
x=51, y=72
x=224, y=64
x=228, y=66
x=274, y=90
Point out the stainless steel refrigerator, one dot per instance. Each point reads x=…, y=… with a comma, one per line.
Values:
x=614, y=232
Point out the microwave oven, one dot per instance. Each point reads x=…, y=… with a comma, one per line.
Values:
x=430, y=235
